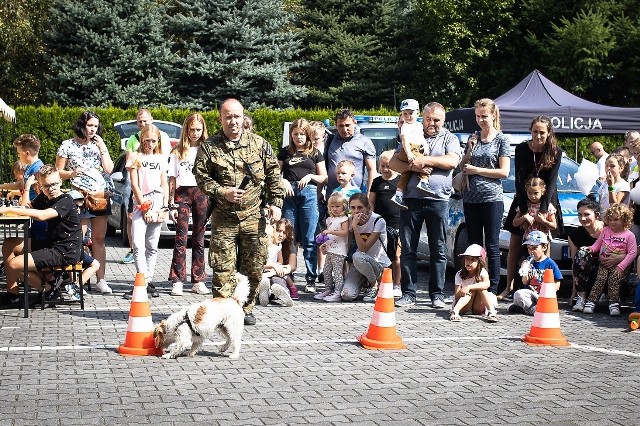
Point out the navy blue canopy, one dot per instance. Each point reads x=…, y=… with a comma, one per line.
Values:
x=537, y=95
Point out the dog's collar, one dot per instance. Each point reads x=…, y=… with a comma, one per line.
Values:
x=187, y=321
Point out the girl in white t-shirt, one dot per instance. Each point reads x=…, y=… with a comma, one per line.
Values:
x=370, y=258
x=335, y=248
x=471, y=286
x=187, y=200
x=148, y=172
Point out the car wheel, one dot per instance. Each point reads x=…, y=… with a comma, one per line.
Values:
x=123, y=228
x=462, y=242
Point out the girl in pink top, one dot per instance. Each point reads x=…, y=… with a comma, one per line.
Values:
x=615, y=238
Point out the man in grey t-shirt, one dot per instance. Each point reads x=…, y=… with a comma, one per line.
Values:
x=432, y=210
x=349, y=145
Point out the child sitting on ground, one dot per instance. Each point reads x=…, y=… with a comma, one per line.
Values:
x=471, y=287
x=274, y=285
x=532, y=272
x=335, y=248
x=614, y=238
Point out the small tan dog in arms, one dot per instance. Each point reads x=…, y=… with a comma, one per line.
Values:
x=192, y=325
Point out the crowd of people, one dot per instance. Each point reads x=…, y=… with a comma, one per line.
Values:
x=323, y=194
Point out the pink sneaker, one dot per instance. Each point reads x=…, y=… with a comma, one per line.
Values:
x=321, y=296
x=333, y=297
x=293, y=290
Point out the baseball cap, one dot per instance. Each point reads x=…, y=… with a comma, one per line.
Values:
x=475, y=250
x=409, y=104
x=535, y=238
x=76, y=195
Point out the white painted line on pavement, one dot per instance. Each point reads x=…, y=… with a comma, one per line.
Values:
x=306, y=342
x=606, y=351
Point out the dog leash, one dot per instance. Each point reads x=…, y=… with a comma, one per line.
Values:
x=187, y=321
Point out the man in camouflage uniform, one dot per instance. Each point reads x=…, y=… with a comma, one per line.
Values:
x=237, y=221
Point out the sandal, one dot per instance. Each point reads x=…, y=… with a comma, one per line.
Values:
x=454, y=317
x=492, y=317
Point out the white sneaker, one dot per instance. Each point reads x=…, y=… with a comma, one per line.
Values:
x=103, y=287
x=176, y=290
x=200, y=288
x=397, y=291
x=579, y=306
x=589, y=307
x=614, y=309
x=333, y=297
x=322, y=295
x=264, y=292
x=282, y=294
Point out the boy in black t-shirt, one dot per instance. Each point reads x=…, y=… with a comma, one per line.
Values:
x=383, y=188
x=62, y=246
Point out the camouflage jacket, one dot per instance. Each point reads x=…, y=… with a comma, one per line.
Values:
x=221, y=164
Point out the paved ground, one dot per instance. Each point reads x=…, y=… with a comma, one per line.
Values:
x=303, y=365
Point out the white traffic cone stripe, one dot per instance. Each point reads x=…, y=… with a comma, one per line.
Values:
x=140, y=324
x=548, y=290
x=140, y=294
x=386, y=291
x=546, y=320
x=383, y=319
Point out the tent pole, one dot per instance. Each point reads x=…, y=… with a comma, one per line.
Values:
x=576, y=149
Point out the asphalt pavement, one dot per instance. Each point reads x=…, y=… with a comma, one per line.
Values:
x=303, y=365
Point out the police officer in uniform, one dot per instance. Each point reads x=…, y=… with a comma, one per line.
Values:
x=235, y=168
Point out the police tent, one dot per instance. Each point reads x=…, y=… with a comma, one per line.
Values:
x=537, y=95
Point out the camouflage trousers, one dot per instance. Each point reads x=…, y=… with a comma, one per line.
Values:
x=230, y=239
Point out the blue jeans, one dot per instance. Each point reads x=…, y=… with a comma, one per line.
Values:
x=302, y=210
x=433, y=213
x=486, y=218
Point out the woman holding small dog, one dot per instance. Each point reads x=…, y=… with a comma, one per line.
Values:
x=148, y=172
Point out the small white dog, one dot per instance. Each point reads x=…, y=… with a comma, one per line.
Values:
x=192, y=325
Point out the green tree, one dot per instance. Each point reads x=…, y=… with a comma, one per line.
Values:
x=454, y=41
x=105, y=52
x=243, y=49
x=22, y=68
x=349, y=54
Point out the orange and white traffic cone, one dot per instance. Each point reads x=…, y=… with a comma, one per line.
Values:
x=387, y=277
x=546, y=320
x=382, y=332
x=139, y=340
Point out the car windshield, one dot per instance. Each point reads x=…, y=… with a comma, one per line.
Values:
x=127, y=129
x=565, y=183
x=383, y=138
